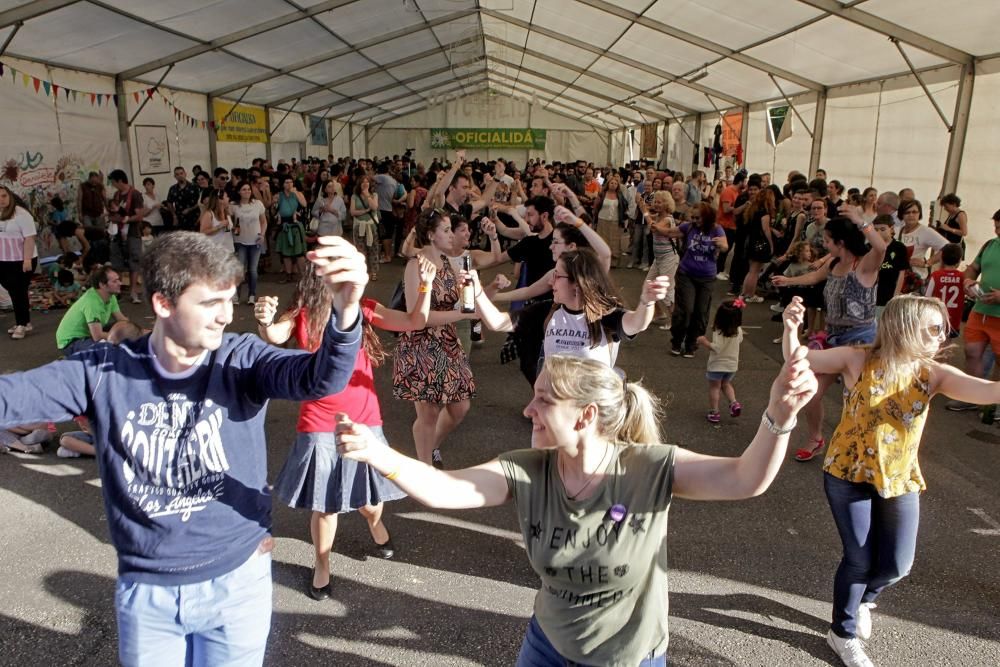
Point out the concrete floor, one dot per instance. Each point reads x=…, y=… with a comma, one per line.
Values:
x=750, y=582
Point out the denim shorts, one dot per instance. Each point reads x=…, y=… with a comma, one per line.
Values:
x=719, y=376
x=862, y=335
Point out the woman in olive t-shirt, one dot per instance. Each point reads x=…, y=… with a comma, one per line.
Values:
x=592, y=496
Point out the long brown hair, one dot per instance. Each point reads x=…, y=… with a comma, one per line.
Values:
x=583, y=269
x=8, y=211
x=764, y=201
x=313, y=294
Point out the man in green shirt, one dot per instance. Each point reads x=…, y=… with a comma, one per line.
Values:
x=982, y=282
x=87, y=321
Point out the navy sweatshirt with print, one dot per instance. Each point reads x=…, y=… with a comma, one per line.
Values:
x=183, y=461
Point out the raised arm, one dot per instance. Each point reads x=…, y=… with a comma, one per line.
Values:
x=416, y=317
x=481, y=486
x=535, y=289
x=638, y=320
x=515, y=233
x=702, y=477
x=274, y=331
x=872, y=261
x=482, y=259
x=599, y=246
x=960, y=386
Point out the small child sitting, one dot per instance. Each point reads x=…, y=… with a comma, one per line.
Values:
x=66, y=290
x=724, y=357
x=73, y=444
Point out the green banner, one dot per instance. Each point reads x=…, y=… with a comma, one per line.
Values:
x=488, y=138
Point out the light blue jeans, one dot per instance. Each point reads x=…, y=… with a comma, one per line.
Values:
x=220, y=622
x=249, y=256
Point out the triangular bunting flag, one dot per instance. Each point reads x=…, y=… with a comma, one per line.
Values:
x=100, y=98
x=1, y=69
x=136, y=96
x=26, y=79
x=93, y=98
x=36, y=82
x=116, y=99
x=47, y=86
x=55, y=90
x=76, y=94
x=150, y=91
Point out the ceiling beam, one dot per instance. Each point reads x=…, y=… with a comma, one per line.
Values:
x=343, y=51
x=610, y=100
x=403, y=82
x=457, y=86
x=233, y=37
x=373, y=70
x=384, y=118
x=445, y=87
x=635, y=92
x=553, y=97
x=890, y=29
x=31, y=10
x=702, y=43
x=624, y=60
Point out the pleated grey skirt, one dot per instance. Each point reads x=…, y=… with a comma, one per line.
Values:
x=317, y=478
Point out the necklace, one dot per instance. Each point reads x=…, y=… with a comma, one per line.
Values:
x=591, y=477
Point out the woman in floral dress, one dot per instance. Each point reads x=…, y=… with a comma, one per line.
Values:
x=429, y=367
x=871, y=474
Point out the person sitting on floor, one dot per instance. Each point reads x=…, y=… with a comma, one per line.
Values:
x=89, y=320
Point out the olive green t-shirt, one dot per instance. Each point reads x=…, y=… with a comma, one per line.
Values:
x=602, y=560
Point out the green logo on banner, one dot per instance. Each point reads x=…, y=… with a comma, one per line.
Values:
x=524, y=138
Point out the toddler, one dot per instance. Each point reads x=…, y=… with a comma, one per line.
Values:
x=724, y=357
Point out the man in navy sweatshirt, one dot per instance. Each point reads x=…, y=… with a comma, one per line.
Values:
x=178, y=420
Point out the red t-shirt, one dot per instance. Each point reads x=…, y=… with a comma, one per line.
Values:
x=728, y=196
x=946, y=284
x=357, y=400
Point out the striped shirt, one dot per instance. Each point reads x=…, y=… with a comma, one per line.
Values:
x=12, y=234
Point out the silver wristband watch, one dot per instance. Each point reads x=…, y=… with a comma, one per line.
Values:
x=774, y=428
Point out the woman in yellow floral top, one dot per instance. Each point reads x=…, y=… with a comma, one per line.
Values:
x=872, y=477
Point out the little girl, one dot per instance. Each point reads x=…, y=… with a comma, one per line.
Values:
x=724, y=357
x=802, y=255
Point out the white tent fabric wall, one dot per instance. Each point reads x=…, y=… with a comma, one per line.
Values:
x=339, y=138
x=680, y=148
x=793, y=153
x=977, y=182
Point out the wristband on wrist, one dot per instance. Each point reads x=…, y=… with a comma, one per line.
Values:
x=393, y=475
x=424, y=288
x=774, y=428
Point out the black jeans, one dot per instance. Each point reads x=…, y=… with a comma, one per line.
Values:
x=14, y=279
x=720, y=261
x=692, y=299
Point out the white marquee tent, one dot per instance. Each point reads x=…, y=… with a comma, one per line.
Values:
x=889, y=93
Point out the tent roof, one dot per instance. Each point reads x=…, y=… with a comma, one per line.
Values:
x=608, y=64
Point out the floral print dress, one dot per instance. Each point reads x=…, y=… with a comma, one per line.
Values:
x=879, y=433
x=429, y=364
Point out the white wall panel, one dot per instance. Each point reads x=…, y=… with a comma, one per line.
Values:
x=793, y=153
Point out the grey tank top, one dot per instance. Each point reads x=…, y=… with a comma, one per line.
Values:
x=849, y=304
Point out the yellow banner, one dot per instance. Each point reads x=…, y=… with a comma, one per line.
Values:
x=243, y=123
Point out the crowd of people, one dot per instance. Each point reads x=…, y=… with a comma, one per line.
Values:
x=864, y=294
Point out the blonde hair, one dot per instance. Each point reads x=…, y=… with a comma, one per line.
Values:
x=899, y=341
x=626, y=412
x=666, y=198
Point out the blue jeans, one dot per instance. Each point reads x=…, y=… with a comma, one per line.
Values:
x=249, y=256
x=879, y=537
x=537, y=651
x=222, y=621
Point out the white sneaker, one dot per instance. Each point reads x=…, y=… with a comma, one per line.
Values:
x=26, y=327
x=136, y=298
x=776, y=308
x=17, y=333
x=251, y=299
x=37, y=436
x=777, y=341
x=754, y=299
x=236, y=300
x=64, y=453
x=722, y=275
x=851, y=651
x=864, y=619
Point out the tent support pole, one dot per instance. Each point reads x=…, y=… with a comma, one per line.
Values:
x=745, y=132
x=377, y=130
x=123, y=122
x=697, y=149
x=267, y=130
x=10, y=37
x=819, y=121
x=213, y=150
x=282, y=119
x=790, y=105
x=923, y=86
x=959, y=129
x=367, y=147
x=147, y=98
x=609, y=142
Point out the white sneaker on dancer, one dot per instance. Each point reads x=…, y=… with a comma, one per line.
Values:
x=851, y=651
x=864, y=619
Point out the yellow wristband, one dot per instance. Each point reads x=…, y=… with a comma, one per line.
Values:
x=423, y=289
x=393, y=475
x=578, y=223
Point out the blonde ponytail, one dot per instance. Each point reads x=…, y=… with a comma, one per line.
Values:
x=626, y=411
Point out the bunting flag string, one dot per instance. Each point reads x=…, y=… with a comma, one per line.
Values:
x=99, y=99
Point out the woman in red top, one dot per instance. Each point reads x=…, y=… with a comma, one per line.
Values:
x=314, y=476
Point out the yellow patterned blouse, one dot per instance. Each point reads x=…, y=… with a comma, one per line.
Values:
x=879, y=433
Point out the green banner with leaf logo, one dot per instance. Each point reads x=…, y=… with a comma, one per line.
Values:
x=524, y=138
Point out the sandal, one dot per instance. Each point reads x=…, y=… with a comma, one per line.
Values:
x=808, y=454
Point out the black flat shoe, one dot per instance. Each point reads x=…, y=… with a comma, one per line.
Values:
x=318, y=594
x=386, y=550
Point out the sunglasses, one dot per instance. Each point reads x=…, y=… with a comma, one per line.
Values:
x=937, y=330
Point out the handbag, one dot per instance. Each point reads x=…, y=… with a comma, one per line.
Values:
x=313, y=224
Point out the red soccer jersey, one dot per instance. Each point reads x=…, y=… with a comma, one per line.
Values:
x=946, y=284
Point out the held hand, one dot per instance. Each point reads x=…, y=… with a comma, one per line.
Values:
x=265, y=308
x=343, y=268
x=564, y=215
x=991, y=297
x=460, y=156
x=656, y=289
x=426, y=270
x=795, y=314
x=703, y=342
x=354, y=441
x=792, y=389
x=488, y=227
x=500, y=282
